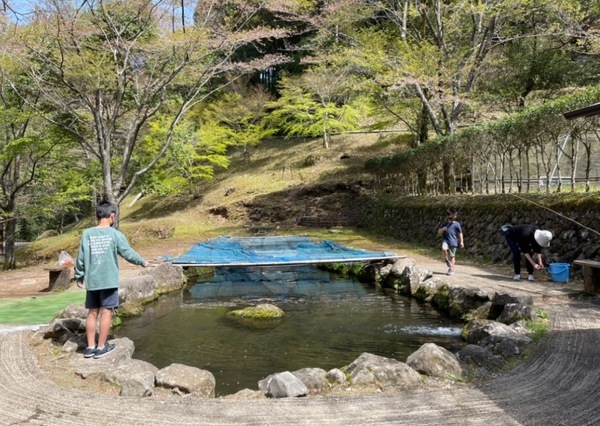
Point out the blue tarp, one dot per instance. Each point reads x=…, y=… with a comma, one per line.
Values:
x=273, y=250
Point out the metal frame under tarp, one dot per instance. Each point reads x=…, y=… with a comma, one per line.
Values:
x=273, y=251
x=587, y=111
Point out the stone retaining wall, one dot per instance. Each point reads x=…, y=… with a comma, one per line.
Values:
x=416, y=220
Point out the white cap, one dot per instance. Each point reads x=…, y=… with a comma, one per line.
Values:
x=543, y=238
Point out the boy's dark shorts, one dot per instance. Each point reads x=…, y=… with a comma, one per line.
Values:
x=107, y=298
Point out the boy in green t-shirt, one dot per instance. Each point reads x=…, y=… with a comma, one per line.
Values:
x=97, y=268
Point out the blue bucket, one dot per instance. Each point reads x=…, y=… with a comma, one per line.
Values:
x=560, y=272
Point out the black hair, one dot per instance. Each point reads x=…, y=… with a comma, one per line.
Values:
x=104, y=209
x=451, y=212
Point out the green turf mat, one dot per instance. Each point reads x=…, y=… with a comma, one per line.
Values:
x=38, y=309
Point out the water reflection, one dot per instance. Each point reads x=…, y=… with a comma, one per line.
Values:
x=329, y=322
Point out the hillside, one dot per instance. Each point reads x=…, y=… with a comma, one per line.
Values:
x=265, y=186
x=280, y=184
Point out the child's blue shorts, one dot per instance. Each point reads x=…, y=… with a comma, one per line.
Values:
x=107, y=298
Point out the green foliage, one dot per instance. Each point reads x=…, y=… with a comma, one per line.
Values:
x=302, y=110
x=237, y=118
x=538, y=327
x=543, y=314
x=121, y=79
x=346, y=270
x=537, y=125
x=192, y=155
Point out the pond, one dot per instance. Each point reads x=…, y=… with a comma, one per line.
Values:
x=329, y=322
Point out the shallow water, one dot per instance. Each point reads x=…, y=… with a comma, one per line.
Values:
x=329, y=322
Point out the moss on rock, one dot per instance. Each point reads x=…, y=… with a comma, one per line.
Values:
x=262, y=311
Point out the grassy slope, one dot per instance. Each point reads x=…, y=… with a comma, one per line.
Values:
x=251, y=191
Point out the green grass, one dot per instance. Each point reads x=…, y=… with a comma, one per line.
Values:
x=37, y=310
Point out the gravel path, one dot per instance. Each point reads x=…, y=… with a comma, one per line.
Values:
x=559, y=385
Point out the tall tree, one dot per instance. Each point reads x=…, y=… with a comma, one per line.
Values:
x=435, y=50
x=236, y=117
x=318, y=103
x=27, y=146
x=106, y=68
x=550, y=48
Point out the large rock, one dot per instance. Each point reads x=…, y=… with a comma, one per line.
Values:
x=121, y=373
x=336, y=376
x=435, y=361
x=515, y=312
x=138, y=385
x=262, y=311
x=482, y=312
x=462, y=301
x=63, y=329
x=313, y=378
x=167, y=277
x=282, y=385
x=403, y=268
x=90, y=367
x=480, y=357
x=187, y=379
x=499, y=301
x=137, y=289
x=74, y=311
x=399, y=275
x=417, y=277
x=369, y=369
x=441, y=298
x=499, y=338
x=245, y=394
x=425, y=290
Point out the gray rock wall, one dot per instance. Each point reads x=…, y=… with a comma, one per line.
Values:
x=416, y=220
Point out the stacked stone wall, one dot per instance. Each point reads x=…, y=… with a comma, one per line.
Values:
x=573, y=219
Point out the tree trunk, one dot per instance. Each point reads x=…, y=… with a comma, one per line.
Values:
x=9, y=244
x=574, y=159
x=326, y=140
x=588, y=165
x=528, y=169
x=449, y=184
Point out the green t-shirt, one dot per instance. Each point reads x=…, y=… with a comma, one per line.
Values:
x=97, y=263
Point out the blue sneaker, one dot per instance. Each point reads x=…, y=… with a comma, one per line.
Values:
x=89, y=352
x=108, y=347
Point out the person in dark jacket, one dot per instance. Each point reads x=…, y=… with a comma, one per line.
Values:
x=528, y=240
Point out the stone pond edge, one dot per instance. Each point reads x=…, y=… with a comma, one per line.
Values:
x=495, y=333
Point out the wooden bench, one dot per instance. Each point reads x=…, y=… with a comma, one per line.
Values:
x=591, y=275
x=60, y=278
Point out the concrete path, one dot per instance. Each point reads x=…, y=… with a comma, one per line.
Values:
x=559, y=385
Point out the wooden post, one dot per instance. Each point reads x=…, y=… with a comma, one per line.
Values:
x=591, y=276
